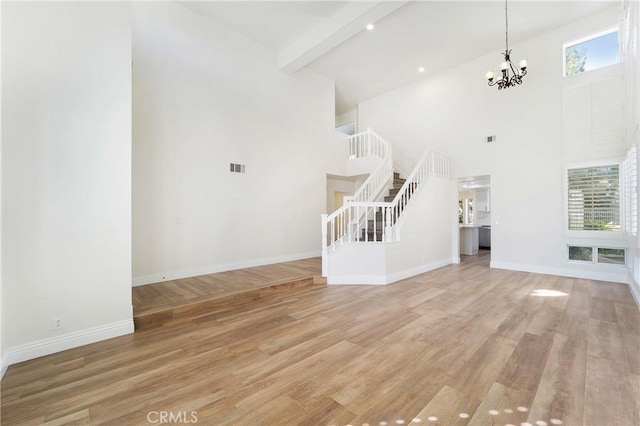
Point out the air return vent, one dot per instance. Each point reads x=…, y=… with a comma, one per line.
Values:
x=237, y=168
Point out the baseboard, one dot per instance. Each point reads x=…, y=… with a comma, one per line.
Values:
x=389, y=278
x=412, y=272
x=616, y=277
x=67, y=341
x=357, y=280
x=212, y=269
x=4, y=367
x=634, y=287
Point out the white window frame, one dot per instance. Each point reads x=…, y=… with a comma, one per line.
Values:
x=592, y=235
x=594, y=254
x=608, y=30
x=581, y=262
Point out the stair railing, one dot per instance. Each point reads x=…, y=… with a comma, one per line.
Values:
x=432, y=163
x=357, y=221
x=343, y=225
x=369, y=143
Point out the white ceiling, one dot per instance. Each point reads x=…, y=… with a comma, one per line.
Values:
x=274, y=24
x=431, y=34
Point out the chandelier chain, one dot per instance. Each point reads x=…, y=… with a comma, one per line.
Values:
x=506, y=26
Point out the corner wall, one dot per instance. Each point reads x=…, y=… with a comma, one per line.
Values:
x=205, y=97
x=66, y=175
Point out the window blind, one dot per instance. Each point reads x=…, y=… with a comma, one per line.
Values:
x=593, y=198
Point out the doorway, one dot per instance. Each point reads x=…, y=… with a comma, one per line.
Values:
x=474, y=218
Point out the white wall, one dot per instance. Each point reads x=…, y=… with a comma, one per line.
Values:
x=66, y=179
x=340, y=184
x=348, y=117
x=454, y=111
x=204, y=97
x=427, y=231
x=358, y=263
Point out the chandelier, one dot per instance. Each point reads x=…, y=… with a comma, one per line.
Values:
x=511, y=74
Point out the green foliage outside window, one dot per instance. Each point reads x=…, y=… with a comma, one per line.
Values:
x=583, y=254
x=576, y=58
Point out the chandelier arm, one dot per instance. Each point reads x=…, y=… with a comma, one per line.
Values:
x=515, y=70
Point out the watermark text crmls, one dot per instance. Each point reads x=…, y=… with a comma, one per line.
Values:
x=176, y=417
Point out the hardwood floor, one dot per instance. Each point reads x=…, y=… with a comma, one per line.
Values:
x=463, y=345
x=174, y=301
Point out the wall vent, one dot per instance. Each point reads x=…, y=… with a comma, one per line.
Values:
x=237, y=168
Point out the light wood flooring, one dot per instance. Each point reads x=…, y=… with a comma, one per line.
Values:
x=460, y=345
x=172, y=301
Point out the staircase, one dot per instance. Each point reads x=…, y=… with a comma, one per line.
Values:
x=375, y=227
x=376, y=213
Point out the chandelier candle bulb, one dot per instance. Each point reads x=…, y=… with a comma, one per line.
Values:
x=490, y=75
x=504, y=66
x=523, y=63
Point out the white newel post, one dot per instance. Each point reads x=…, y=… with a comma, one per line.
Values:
x=387, y=228
x=325, y=254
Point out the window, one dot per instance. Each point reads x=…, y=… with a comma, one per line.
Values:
x=587, y=54
x=581, y=253
x=585, y=254
x=593, y=202
x=611, y=255
x=465, y=211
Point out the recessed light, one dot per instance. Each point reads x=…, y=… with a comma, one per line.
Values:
x=370, y=27
x=421, y=69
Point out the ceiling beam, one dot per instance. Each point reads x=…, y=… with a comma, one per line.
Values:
x=344, y=24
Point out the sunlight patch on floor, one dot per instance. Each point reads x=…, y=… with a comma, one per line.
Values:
x=548, y=293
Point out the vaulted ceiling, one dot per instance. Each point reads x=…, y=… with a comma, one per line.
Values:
x=330, y=38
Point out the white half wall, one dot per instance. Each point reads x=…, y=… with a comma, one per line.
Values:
x=358, y=263
x=455, y=110
x=66, y=174
x=205, y=97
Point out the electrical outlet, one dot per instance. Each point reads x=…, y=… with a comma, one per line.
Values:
x=58, y=323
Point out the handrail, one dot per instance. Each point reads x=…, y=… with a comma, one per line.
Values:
x=369, y=143
x=432, y=163
x=370, y=221
x=363, y=144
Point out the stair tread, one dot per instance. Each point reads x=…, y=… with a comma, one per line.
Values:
x=375, y=227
